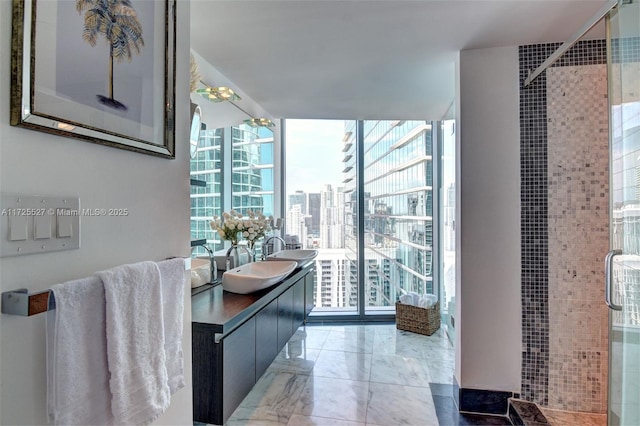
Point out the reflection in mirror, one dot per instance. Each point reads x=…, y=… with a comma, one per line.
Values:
x=194, y=136
x=251, y=187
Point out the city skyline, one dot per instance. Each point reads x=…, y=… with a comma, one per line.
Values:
x=397, y=213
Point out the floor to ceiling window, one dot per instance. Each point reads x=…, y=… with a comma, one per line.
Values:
x=447, y=223
x=398, y=210
x=320, y=186
x=361, y=192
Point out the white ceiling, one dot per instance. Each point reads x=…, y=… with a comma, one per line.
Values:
x=365, y=59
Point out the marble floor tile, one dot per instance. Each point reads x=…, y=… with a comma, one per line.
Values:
x=394, y=344
x=295, y=360
x=357, y=375
x=440, y=370
x=300, y=420
x=400, y=405
x=334, y=398
x=353, y=340
x=313, y=337
x=384, y=328
x=399, y=370
x=353, y=328
x=248, y=416
x=343, y=365
x=276, y=391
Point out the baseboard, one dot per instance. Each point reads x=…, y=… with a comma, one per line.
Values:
x=482, y=401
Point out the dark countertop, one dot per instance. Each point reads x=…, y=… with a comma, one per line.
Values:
x=221, y=311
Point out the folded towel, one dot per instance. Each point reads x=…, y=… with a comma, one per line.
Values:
x=135, y=343
x=172, y=276
x=428, y=300
x=77, y=371
x=406, y=299
x=416, y=298
x=432, y=298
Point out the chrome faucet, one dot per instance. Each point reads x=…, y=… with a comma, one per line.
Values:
x=227, y=261
x=212, y=263
x=264, y=251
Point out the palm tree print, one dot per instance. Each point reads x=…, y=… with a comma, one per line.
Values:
x=117, y=21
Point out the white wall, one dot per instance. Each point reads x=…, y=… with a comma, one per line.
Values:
x=156, y=192
x=488, y=343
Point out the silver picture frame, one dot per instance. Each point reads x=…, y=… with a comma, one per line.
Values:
x=76, y=77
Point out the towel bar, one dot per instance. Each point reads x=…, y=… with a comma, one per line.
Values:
x=20, y=302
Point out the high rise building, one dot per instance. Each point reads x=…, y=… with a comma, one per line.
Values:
x=206, y=200
x=299, y=198
x=332, y=289
x=398, y=210
x=313, y=214
x=450, y=219
x=331, y=218
x=252, y=181
x=296, y=224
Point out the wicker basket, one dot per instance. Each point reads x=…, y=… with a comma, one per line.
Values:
x=418, y=320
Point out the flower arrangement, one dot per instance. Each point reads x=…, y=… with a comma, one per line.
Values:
x=233, y=226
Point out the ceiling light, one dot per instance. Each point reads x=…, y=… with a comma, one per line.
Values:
x=259, y=122
x=218, y=94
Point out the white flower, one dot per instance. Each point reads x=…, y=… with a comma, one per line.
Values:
x=231, y=226
x=251, y=237
x=221, y=233
x=245, y=234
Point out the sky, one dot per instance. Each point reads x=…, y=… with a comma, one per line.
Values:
x=314, y=154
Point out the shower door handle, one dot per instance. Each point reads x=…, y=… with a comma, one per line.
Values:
x=608, y=265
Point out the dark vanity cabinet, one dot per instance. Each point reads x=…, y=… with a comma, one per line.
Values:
x=298, y=303
x=236, y=337
x=266, y=337
x=309, y=291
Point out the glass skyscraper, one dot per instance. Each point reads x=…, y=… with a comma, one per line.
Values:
x=252, y=180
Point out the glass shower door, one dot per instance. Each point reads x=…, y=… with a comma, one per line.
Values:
x=622, y=291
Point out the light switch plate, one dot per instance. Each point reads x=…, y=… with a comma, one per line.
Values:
x=40, y=215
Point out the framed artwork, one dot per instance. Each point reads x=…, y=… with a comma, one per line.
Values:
x=98, y=70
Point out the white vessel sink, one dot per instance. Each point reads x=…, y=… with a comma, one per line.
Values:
x=256, y=276
x=299, y=256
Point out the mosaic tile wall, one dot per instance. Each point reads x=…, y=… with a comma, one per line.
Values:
x=578, y=226
x=536, y=196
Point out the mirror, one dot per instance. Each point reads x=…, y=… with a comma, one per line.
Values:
x=194, y=135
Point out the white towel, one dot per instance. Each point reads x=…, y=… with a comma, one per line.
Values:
x=135, y=343
x=172, y=275
x=77, y=371
x=416, y=298
x=406, y=299
x=428, y=300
